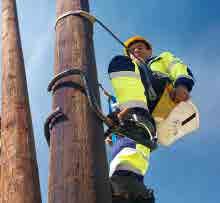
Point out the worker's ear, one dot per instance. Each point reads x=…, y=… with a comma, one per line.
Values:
x=121, y=63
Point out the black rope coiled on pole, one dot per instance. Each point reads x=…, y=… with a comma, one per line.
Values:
x=91, y=99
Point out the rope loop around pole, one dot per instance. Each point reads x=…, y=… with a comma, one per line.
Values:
x=80, y=13
x=90, y=18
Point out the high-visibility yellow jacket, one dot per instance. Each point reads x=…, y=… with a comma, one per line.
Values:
x=128, y=81
x=129, y=87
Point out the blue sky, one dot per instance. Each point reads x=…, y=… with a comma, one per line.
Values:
x=189, y=170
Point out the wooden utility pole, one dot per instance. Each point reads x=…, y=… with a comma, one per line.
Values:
x=0, y=155
x=19, y=172
x=78, y=164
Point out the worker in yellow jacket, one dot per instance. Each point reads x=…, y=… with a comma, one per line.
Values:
x=138, y=80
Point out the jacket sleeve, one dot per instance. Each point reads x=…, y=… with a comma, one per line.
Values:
x=178, y=72
x=120, y=63
x=126, y=83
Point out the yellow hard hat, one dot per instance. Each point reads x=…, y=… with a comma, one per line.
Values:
x=134, y=39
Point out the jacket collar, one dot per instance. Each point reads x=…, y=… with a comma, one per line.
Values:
x=151, y=59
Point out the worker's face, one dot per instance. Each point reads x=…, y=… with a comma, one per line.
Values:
x=140, y=50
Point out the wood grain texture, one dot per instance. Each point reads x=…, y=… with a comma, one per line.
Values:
x=78, y=164
x=19, y=182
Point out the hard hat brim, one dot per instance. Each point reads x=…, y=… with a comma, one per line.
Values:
x=133, y=40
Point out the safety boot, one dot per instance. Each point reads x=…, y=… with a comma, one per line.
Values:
x=127, y=188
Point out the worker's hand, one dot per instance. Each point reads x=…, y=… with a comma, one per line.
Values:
x=122, y=114
x=179, y=94
x=108, y=140
x=113, y=119
x=137, y=59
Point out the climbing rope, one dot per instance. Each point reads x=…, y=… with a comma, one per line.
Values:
x=91, y=98
x=119, y=130
x=91, y=19
x=142, y=65
x=114, y=128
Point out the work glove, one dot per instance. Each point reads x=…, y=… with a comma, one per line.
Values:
x=108, y=140
x=114, y=118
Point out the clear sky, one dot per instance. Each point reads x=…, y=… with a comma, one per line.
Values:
x=189, y=170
